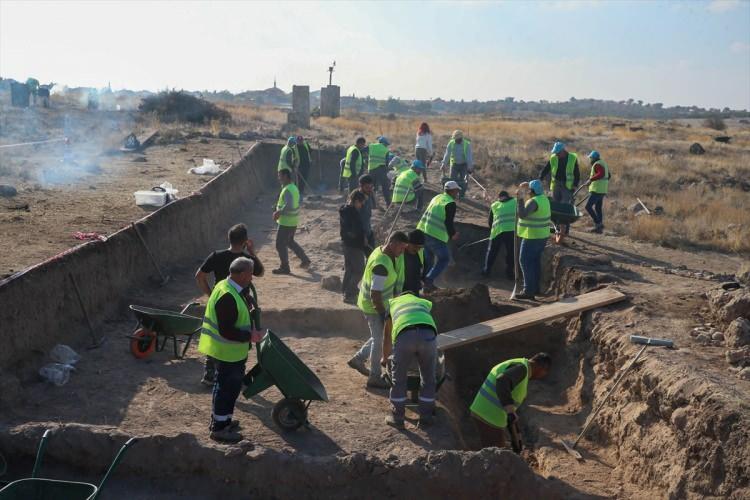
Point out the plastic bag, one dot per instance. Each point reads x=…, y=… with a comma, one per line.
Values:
x=170, y=190
x=56, y=373
x=208, y=168
x=64, y=355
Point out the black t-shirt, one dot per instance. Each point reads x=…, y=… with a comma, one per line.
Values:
x=219, y=261
x=412, y=273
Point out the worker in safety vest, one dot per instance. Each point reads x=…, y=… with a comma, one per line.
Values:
x=287, y=218
x=502, y=392
x=410, y=333
x=534, y=218
x=411, y=263
x=565, y=176
x=598, y=184
x=379, y=284
x=408, y=186
x=459, y=158
x=353, y=164
x=437, y=225
x=502, y=222
x=231, y=322
x=288, y=158
x=304, y=162
x=377, y=159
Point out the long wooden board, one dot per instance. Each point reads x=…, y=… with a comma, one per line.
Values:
x=527, y=318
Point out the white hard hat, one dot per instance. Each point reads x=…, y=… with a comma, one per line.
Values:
x=451, y=185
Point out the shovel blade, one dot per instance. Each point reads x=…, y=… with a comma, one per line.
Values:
x=572, y=451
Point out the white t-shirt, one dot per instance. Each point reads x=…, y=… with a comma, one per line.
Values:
x=425, y=141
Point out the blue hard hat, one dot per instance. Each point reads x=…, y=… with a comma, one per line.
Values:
x=384, y=140
x=557, y=147
x=417, y=164
x=292, y=140
x=536, y=186
x=594, y=155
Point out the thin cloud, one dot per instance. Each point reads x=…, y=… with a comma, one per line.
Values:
x=720, y=6
x=740, y=47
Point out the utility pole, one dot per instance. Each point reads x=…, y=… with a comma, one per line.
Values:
x=330, y=73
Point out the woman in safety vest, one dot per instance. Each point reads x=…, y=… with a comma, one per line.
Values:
x=598, y=184
x=534, y=218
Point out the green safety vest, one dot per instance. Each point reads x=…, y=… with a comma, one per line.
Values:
x=401, y=266
x=295, y=155
x=291, y=218
x=452, y=146
x=503, y=217
x=486, y=404
x=536, y=225
x=402, y=166
x=569, y=168
x=211, y=342
x=433, y=219
x=404, y=187
x=600, y=186
x=282, y=159
x=376, y=258
x=377, y=155
x=348, y=164
x=408, y=310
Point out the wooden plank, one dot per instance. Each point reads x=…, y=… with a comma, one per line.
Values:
x=527, y=318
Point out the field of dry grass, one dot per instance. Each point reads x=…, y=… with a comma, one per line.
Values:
x=705, y=199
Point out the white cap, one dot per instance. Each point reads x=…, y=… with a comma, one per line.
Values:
x=450, y=185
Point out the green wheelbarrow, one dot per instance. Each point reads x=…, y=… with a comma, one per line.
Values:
x=36, y=488
x=279, y=366
x=156, y=326
x=562, y=214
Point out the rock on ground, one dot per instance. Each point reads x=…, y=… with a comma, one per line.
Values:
x=332, y=283
x=738, y=333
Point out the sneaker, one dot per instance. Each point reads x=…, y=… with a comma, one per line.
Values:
x=525, y=296
x=394, y=422
x=350, y=300
x=377, y=383
x=234, y=425
x=305, y=264
x=281, y=270
x=208, y=380
x=359, y=365
x=226, y=435
x=426, y=420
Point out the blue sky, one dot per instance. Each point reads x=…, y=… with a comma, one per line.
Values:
x=689, y=52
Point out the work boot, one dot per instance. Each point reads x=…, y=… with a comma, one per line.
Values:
x=226, y=435
x=525, y=296
x=359, y=365
x=282, y=270
x=234, y=425
x=350, y=300
x=377, y=383
x=394, y=422
x=305, y=264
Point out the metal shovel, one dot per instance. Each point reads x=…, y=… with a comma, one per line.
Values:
x=635, y=339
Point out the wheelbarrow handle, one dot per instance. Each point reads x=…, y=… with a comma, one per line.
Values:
x=130, y=442
x=40, y=453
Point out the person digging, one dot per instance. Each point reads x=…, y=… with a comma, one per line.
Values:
x=502, y=392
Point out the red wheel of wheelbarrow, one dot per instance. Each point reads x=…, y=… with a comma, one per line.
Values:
x=143, y=343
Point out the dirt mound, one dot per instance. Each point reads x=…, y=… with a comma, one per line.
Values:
x=173, y=106
x=574, y=275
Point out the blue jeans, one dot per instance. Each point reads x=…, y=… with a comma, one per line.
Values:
x=435, y=248
x=531, y=263
x=594, y=207
x=226, y=390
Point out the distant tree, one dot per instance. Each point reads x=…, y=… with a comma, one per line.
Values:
x=715, y=123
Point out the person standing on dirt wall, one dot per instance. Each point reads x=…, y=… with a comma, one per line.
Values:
x=354, y=240
x=353, y=164
x=502, y=392
x=231, y=323
x=376, y=166
x=502, y=222
x=287, y=218
x=534, y=218
x=565, y=176
x=410, y=332
x=305, y=163
x=598, y=184
x=423, y=148
x=458, y=156
x=437, y=225
x=218, y=263
x=288, y=158
x=378, y=285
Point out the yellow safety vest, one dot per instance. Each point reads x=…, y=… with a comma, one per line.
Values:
x=282, y=159
x=569, y=170
x=401, y=266
x=486, y=404
x=376, y=258
x=377, y=154
x=536, y=226
x=291, y=218
x=211, y=342
x=503, y=217
x=433, y=219
x=599, y=186
x=404, y=186
x=452, y=148
x=348, y=163
x=408, y=310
